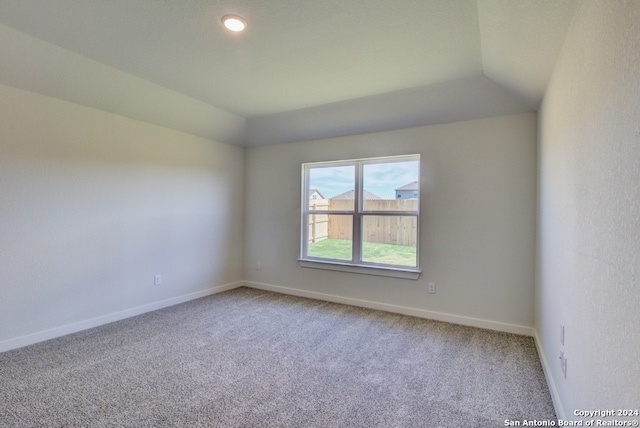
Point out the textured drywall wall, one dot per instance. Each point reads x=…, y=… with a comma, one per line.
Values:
x=477, y=223
x=93, y=205
x=589, y=212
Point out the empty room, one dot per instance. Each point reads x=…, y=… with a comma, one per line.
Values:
x=407, y=213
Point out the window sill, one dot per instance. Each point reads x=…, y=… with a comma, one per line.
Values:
x=366, y=270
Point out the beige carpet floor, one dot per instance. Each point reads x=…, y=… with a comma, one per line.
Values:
x=250, y=358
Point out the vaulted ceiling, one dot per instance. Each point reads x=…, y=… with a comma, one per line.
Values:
x=302, y=70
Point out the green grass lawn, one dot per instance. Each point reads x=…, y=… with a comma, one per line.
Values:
x=340, y=249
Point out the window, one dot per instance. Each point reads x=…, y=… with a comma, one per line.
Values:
x=369, y=220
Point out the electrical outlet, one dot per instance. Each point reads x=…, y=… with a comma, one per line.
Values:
x=563, y=364
x=432, y=288
x=561, y=334
x=258, y=265
x=157, y=280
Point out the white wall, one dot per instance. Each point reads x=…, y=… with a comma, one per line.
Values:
x=589, y=212
x=92, y=205
x=477, y=226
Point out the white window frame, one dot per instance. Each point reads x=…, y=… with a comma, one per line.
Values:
x=355, y=265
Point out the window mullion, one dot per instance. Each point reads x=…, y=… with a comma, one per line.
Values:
x=394, y=213
x=357, y=216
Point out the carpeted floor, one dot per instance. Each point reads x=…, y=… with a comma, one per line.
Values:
x=250, y=358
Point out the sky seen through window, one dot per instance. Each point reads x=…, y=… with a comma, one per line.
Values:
x=379, y=178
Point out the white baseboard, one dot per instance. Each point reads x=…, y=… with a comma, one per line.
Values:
x=41, y=336
x=420, y=313
x=555, y=397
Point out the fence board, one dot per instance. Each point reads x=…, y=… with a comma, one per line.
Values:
x=318, y=223
x=396, y=230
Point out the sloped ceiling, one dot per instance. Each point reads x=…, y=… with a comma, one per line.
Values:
x=302, y=70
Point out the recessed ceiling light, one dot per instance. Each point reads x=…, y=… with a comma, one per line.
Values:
x=234, y=22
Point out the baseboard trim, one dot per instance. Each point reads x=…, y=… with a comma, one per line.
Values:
x=63, y=330
x=41, y=336
x=546, y=368
x=420, y=313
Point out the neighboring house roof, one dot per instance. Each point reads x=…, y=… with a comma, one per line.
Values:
x=349, y=194
x=312, y=191
x=411, y=186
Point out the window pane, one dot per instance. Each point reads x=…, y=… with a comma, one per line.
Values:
x=332, y=183
x=391, y=186
x=330, y=236
x=390, y=240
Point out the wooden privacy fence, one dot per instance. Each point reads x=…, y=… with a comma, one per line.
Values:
x=397, y=230
x=318, y=223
